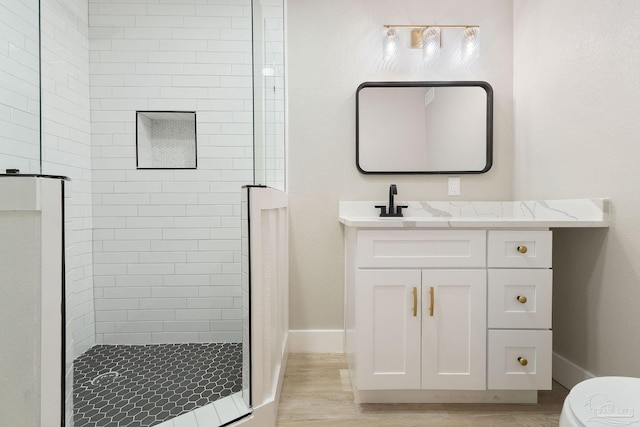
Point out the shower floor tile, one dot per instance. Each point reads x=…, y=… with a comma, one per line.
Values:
x=144, y=385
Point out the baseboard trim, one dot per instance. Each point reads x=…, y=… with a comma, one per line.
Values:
x=316, y=341
x=568, y=373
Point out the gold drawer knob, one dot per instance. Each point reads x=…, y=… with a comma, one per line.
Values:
x=522, y=299
x=522, y=249
x=523, y=361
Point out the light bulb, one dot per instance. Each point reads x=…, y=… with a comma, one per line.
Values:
x=389, y=43
x=470, y=43
x=431, y=43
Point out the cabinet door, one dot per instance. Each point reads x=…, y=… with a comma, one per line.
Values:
x=454, y=329
x=388, y=325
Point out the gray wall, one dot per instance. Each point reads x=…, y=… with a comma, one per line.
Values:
x=577, y=135
x=333, y=46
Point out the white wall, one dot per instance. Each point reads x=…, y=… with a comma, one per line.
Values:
x=577, y=134
x=167, y=242
x=333, y=46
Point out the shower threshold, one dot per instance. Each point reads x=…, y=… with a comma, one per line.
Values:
x=149, y=385
x=219, y=413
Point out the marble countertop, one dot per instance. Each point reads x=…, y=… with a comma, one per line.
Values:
x=480, y=214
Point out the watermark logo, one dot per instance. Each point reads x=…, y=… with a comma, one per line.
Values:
x=610, y=413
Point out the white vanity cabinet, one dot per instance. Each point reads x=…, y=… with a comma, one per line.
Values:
x=448, y=309
x=452, y=302
x=420, y=309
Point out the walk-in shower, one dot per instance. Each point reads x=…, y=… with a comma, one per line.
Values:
x=156, y=317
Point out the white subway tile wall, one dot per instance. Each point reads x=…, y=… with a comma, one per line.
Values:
x=19, y=86
x=167, y=242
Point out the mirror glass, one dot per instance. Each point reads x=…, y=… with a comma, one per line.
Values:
x=20, y=86
x=424, y=127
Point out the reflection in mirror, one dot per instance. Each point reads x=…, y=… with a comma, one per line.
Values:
x=424, y=127
x=20, y=86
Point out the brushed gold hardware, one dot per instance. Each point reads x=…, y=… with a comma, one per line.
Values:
x=523, y=361
x=415, y=302
x=522, y=249
x=426, y=26
x=417, y=38
x=521, y=298
x=431, y=300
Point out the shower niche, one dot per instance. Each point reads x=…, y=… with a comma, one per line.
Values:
x=166, y=140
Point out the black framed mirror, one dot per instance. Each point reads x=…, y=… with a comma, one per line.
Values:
x=429, y=127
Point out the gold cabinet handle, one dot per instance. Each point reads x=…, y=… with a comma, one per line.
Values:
x=523, y=361
x=431, y=301
x=522, y=299
x=522, y=249
x=415, y=302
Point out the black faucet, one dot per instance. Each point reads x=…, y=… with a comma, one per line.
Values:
x=393, y=190
x=394, y=211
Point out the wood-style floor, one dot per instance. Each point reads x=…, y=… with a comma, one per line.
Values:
x=317, y=392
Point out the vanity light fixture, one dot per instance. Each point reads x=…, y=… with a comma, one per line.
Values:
x=428, y=38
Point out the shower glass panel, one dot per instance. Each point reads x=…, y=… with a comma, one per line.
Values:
x=269, y=95
x=20, y=86
x=158, y=335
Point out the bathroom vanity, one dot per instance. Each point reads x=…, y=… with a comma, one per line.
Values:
x=452, y=302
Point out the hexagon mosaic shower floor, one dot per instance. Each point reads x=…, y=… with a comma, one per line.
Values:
x=144, y=385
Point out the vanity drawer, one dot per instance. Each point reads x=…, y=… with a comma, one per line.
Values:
x=520, y=298
x=421, y=248
x=519, y=249
x=519, y=360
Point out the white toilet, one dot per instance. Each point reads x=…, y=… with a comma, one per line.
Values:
x=603, y=401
